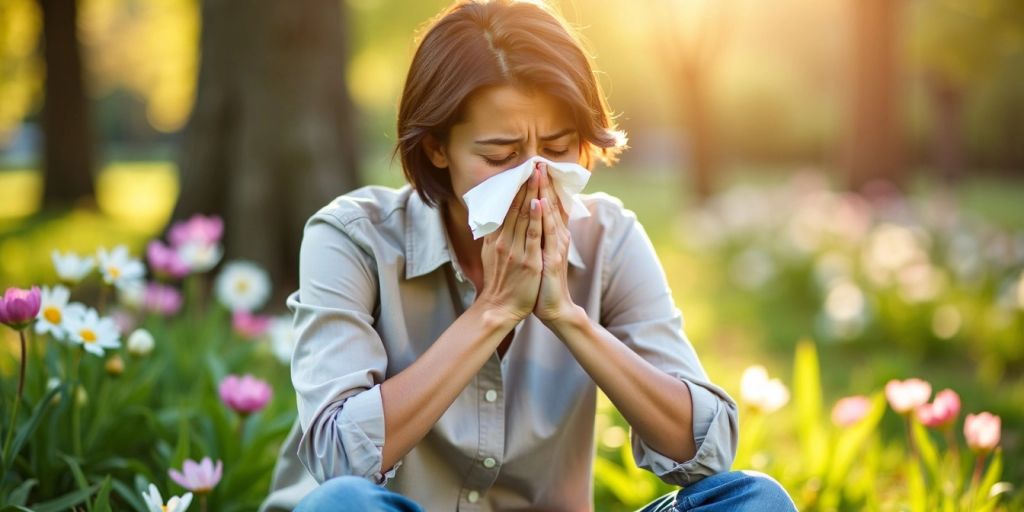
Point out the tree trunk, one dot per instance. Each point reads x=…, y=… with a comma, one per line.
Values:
x=272, y=136
x=948, y=153
x=700, y=131
x=67, y=134
x=874, y=142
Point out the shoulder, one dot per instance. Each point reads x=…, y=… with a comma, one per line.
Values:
x=608, y=215
x=365, y=216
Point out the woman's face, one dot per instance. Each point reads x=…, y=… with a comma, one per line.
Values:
x=503, y=127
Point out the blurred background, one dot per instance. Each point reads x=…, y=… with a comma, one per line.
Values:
x=847, y=171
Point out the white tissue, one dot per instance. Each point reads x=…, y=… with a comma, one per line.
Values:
x=488, y=202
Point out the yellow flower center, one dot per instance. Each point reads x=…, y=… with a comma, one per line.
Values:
x=242, y=286
x=87, y=335
x=52, y=315
x=114, y=272
x=163, y=508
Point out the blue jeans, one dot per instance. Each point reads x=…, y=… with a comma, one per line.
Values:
x=734, y=490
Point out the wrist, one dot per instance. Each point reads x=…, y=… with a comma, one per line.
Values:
x=573, y=317
x=496, y=317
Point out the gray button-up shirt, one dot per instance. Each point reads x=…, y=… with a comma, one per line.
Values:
x=376, y=276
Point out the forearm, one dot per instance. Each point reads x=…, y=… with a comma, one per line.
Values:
x=657, y=405
x=415, y=398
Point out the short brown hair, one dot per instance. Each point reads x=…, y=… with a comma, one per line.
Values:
x=479, y=43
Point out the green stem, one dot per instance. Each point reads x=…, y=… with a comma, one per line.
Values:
x=104, y=290
x=17, y=402
x=202, y=502
x=76, y=422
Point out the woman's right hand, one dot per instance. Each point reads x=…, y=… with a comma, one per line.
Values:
x=512, y=260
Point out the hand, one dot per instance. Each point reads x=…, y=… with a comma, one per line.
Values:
x=511, y=255
x=554, y=302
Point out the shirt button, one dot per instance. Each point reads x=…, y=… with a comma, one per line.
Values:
x=473, y=496
x=490, y=463
x=491, y=395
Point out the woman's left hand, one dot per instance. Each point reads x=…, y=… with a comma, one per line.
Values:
x=553, y=300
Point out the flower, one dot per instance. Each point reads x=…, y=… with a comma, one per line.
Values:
x=199, y=477
x=54, y=302
x=850, y=410
x=198, y=228
x=200, y=257
x=242, y=285
x=119, y=268
x=140, y=343
x=155, y=503
x=18, y=307
x=249, y=325
x=282, y=338
x=982, y=431
x=93, y=332
x=942, y=411
x=760, y=392
x=70, y=267
x=197, y=241
x=245, y=394
x=115, y=365
x=162, y=299
x=165, y=261
x=905, y=396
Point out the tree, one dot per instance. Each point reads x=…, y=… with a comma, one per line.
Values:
x=272, y=135
x=689, y=35
x=67, y=145
x=874, y=143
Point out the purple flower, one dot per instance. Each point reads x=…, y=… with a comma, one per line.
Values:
x=246, y=394
x=18, y=307
x=199, y=228
x=163, y=299
x=165, y=260
x=249, y=325
x=199, y=477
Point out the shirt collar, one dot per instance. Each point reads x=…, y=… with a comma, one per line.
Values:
x=426, y=241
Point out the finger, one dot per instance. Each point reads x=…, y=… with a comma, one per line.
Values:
x=535, y=233
x=555, y=202
x=523, y=222
x=512, y=216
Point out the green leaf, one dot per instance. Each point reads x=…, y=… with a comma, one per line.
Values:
x=29, y=427
x=19, y=496
x=131, y=496
x=15, y=508
x=102, y=503
x=925, y=447
x=63, y=503
x=852, y=440
x=992, y=474
x=76, y=471
x=807, y=393
x=915, y=483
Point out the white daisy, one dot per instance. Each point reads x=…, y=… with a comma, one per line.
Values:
x=155, y=502
x=119, y=268
x=70, y=267
x=242, y=285
x=282, y=338
x=51, y=312
x=200, y=256
x=93, y=332
x=140, y=343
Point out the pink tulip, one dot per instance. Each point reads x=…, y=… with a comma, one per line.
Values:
x=982, y=431
x=199, y=477
x=163, y=299
x=850, y=410
x=942, y=411
x=199, y=228
x=905, y=396
x=249, y=325
x=246, y=394
x=18, y=307
x=165, y=260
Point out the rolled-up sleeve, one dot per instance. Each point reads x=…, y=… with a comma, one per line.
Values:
x=638, y=308
x=339, y=361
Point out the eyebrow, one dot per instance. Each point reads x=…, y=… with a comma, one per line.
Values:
x=507, y=142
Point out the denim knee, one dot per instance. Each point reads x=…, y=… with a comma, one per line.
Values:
x=340, y=494
x=745, y=490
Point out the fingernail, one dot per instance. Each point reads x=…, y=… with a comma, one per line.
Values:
x=533, y=204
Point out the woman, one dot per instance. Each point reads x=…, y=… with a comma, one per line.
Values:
x=436, y=371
